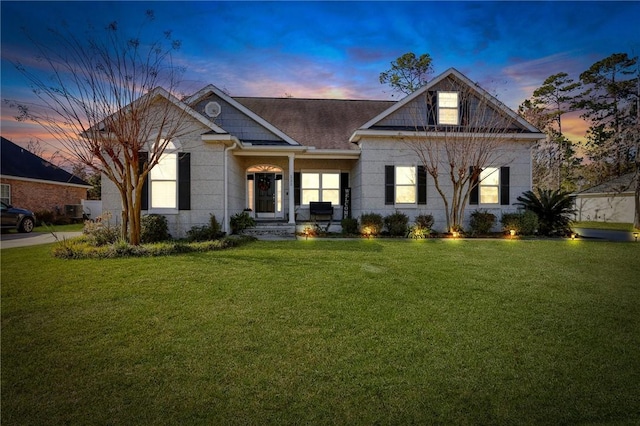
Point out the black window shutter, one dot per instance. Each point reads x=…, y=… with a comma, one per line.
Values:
x=184, y=181
x=144, y=200
x=389, y=184
x=475, y=192
x=344, y=184
x=422, y=185
x=296, y=188
x=504, y=186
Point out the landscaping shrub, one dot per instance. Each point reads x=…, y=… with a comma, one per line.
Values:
x=524, y=223
x=397, y=224
x=424, y=221
x=82, y=248
x=481, y=222
x=154, y=228
x=100, y=232
x=44, y=217
x=241, y=221
x=349, y=226
x=209, y=232
x=371, y=224
x=553, y=208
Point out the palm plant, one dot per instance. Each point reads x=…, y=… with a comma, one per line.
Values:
x=553, y=208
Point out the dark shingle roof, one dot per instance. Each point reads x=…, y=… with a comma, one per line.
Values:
x=322, y=123
x=18, y=162
x=618, y=184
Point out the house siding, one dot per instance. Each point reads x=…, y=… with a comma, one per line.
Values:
x=378, y=153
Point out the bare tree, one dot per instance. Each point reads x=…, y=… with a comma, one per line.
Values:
x=100, y=99
x=456, y=138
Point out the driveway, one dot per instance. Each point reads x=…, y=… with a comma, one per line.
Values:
x=603, y=234
x=10, y=240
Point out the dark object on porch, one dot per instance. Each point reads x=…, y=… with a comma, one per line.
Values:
x=321, y=208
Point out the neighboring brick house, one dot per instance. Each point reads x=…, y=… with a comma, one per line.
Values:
x=274, y=156
x=31, y=182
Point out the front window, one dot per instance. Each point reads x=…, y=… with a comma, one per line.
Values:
x=5, y=193
x=164, y=180
x=448, y=108
x=405, y=185
x=320, y=186
x=489, y=185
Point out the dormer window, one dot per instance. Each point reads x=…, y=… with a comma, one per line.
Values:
x=448, y=108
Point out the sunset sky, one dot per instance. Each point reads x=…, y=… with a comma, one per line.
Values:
x=338, y=49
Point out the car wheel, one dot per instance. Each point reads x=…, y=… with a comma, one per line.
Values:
x=26, y=225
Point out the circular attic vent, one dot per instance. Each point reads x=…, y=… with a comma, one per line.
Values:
x=212, y=109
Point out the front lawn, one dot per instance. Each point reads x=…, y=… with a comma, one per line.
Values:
x=330, y=332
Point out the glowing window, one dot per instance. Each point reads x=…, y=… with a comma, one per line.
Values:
x=489, y=185
x=448, y=108
x=405, y=185
x=318, y=186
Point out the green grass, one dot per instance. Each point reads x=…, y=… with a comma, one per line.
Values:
x=74, y=227
x=611, y=226
x=331, y=332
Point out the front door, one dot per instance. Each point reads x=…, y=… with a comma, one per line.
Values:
x=265, y=194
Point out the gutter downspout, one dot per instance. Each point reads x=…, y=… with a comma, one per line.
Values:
x=226, y=226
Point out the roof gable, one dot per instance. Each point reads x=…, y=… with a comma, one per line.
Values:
x=446, y=81
x=211, y=92
x=20, y=163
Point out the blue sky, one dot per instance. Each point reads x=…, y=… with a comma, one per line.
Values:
x=338, y=49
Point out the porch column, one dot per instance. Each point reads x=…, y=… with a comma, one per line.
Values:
x=292, y=198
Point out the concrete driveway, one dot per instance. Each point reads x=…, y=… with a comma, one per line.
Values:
x=603, y=234
x=10, y=240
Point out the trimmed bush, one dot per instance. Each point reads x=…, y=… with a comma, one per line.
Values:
x=424, y=221
x=241, y=221
x=154, y=228
x=524, y=223
x=481, y=222
x=371, y=224
x=209, y=232
x=397, y=224
x=349, y=226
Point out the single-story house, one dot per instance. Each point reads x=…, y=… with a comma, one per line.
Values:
x=272, y=157
x=31, y=182
x=611, y=201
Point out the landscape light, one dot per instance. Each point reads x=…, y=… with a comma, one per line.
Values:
x=512, y=232
x=635, y=235
x=455, y=234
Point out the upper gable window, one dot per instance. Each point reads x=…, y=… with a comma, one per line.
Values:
x=448, y=108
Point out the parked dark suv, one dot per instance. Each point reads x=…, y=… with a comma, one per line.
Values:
x=15, y=218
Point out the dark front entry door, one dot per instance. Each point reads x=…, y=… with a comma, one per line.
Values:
x=265, y=192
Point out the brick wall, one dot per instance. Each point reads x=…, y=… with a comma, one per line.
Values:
x=37, y=196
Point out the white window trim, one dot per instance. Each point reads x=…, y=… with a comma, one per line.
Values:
x=481, y=185
x=415, y=186
x=448, y=108
x=177, y=149
x=320, y=172
x=8, y=186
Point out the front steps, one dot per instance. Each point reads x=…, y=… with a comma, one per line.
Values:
x=272, y=230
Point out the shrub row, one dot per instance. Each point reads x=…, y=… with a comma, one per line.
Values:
x=395, y=225
x=82, y=248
